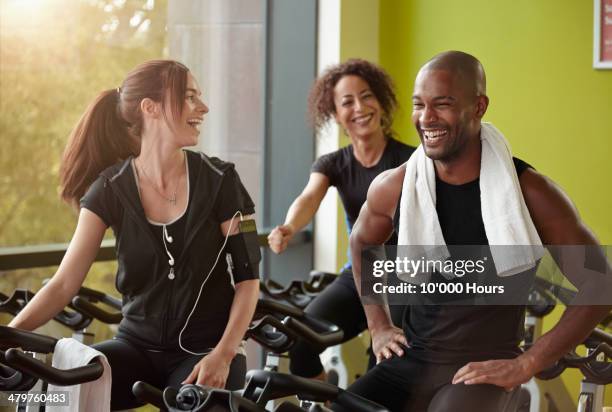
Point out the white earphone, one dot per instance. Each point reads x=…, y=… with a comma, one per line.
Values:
x=202, y=287
x=167, y=238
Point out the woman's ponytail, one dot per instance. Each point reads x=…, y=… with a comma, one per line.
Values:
x=100, y=139
x=110, y=129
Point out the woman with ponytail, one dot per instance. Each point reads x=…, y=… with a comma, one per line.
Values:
x=172, y=212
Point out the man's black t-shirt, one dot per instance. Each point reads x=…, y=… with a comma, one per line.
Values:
x=451, y=333
x=353, y=180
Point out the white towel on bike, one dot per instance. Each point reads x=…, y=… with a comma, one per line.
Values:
x=91, y=396
x=504, y=213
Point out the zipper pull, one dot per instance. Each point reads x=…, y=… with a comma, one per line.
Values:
x=171, y=274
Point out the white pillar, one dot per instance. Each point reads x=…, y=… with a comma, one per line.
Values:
x=221, y=41
x=326, y=219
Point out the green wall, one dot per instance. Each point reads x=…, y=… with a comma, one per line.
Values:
x=553, y=107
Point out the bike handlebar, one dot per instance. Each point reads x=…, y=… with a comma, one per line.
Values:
x=29, y=341
x=13, y=338
x=59, y=377
x=263, y=386
x=278, y=326
x=19, y=299
x=96, y=296
x=12, y=379
x=298, y=293
x=84, y=305
x=594, y=370
x=148, y=393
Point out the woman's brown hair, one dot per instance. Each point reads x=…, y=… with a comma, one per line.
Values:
x=321, y=107
x=109, y=131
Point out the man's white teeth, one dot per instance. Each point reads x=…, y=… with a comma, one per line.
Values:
x=432, y=134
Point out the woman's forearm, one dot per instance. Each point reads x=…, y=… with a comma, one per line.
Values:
x=304, y=207
x=241, y=313
x=48, y=302
x=301, y=212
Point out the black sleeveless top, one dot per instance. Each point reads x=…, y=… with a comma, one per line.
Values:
x=459, y=334
x=352, y=179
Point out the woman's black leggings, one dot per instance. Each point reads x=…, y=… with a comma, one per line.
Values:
x=130, y=363
x=339, y=304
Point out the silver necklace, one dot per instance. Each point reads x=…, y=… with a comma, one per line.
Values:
x=159, y=192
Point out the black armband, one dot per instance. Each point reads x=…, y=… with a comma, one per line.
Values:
x=243, y=248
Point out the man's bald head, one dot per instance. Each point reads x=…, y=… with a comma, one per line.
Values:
x=467, y=69
x=448, y=104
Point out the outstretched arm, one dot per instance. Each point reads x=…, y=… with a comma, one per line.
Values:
x=374, y=227
x=300, y=212
x=558, y=223
x=65, y=284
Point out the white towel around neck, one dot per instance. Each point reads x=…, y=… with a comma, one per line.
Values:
x=505, y=215
x=91, y=396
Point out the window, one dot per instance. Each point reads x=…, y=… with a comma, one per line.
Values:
x=55, y=57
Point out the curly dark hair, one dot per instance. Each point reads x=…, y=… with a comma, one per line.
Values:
x=321, y=107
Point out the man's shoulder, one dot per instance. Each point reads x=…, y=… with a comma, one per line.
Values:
x=391, y=178
x=536, y=186
x=385, y=190
x=553, y=213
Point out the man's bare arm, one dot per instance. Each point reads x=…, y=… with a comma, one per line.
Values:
x=374, y=226
x=558, y=223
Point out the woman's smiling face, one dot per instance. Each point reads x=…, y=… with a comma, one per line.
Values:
x=358, y=110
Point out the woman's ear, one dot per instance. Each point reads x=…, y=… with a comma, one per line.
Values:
x=150, y=108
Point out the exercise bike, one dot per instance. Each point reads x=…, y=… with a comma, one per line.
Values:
x=276, y=327
x=299, y=293
x=544, y=393
x=22, y=369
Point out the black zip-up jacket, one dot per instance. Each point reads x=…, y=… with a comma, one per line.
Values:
x=155, y=307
